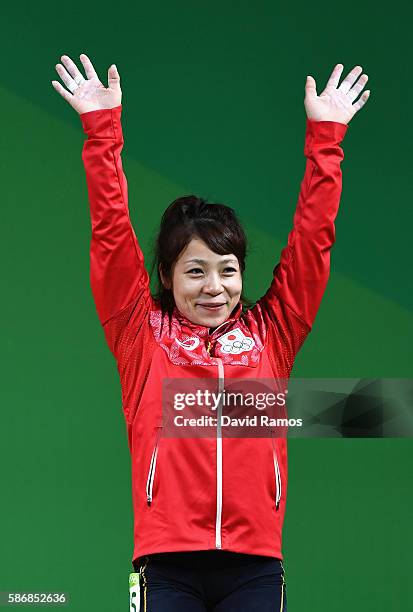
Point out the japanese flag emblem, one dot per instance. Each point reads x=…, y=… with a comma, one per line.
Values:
x=235, y=342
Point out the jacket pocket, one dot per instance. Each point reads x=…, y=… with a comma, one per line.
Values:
x=277, y=476
x=152, y=469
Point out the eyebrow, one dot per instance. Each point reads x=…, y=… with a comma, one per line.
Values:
x=203, y=261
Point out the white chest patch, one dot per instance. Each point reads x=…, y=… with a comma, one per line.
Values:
x=235, y=342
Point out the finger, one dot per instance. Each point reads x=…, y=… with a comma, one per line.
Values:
x=335, y=76
x=113, y=77
x=66, y=78
x=88, y=66
x=357, y=88
x=63, y=92
x=350, y=79
x=72, y=69
x=310, y=87
x=361, y=101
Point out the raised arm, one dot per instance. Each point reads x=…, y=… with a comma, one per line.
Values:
x=117, y=272
x=300, y=278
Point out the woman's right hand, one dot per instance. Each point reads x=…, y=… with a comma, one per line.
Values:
x=88, y=94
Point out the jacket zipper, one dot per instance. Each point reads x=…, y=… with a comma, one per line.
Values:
x=213, y=333
x=277, y=478
x=221, y=381
x=221, y=378
x=152, y=470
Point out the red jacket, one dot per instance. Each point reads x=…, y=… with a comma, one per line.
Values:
x=218, y=492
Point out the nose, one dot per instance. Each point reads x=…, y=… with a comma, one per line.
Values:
x=213, y=284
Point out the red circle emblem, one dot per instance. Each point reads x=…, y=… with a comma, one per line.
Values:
x=232, y=337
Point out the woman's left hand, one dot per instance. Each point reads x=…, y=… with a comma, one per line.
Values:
x=336, y=102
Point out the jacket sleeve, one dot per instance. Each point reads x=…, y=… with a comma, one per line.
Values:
x=117, y=273
x=300, y=278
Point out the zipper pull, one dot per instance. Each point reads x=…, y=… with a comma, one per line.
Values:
x=209, y=347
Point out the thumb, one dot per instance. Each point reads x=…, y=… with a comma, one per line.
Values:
x=310, y=87
x=113, y=77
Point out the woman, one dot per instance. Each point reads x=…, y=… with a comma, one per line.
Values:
x=208, y=510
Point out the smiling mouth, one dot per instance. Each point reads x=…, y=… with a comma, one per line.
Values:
x=211, y=306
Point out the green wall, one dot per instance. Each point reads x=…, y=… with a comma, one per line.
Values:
x=213, y=104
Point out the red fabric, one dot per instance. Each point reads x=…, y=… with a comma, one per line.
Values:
x=148, y=346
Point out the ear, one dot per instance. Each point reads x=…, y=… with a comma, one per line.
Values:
x=165, y=281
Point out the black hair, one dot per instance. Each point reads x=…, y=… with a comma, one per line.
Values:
x=191, y=217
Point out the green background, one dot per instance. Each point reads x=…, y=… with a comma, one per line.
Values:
x=213, y=105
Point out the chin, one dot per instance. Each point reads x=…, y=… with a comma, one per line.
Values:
x=201, y=316
x=212, y=319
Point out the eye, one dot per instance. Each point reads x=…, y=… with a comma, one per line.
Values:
x=194, y=271
x=229, y=270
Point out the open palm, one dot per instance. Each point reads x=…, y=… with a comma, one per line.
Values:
x=88, y=94
x=336, y=103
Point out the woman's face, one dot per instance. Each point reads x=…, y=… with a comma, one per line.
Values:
x=206, y=286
